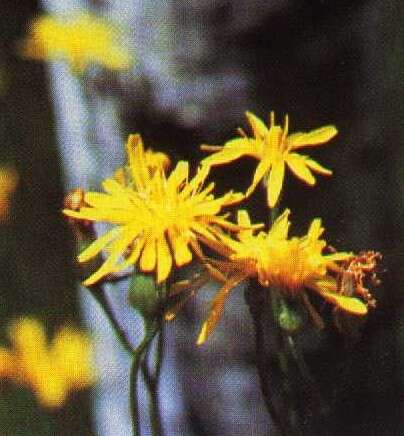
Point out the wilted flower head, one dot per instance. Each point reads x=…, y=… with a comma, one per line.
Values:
x=80, y=39
x=290, y=265
x=274, y=148
x=52, y=370
x=157, y=218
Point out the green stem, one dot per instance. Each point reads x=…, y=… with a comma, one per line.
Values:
x=98, y=293
x=257, y=301
x=137, y=356
x=152, y=382
x=305, y=372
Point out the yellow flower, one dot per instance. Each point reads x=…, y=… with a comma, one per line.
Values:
x=290, y=265
x=157, y=218
x=81, y=40
x=8, y=184
x=51, y=370
x=274, y=148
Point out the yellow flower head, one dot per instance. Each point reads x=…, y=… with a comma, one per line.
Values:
x=51, y=370
x=8, y=184
x=81, y=40
x=290, y=265
x=157, y=218
x=274, y=148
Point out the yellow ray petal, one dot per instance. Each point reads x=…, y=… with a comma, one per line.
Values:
x=164, y=259
x=351, y=305
x=315, y=166
x=100, y=200
x=116, y=250
x=133, y=257
x=179, y=244
x=149, y=255
x=280, y=228
x=263, y=167
x=275, y=182
x=315, y=137
x=178, y=176
x=100, y=243
x=297, y=164
x=113, y=187
x=113, y=216
x=315, y=229
x=232, y=150
x=217, y=308
x=243, y=219
x=258, y=126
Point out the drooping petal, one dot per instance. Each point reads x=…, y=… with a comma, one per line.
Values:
x=217, y=308
x=275, y=181
x=297, y=164
x=312, y=138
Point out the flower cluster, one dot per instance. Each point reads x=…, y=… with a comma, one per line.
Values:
x=159, y=219
x=290, y=265
x=52, y=370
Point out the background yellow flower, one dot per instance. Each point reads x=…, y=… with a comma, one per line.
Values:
x=81, y=40
x=52, y=370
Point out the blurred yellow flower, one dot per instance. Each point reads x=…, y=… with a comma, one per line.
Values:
x=8, y=184
x=274, y=148
x=81, y=39
x=51, y=370
x=157, y=217
x=288, y=264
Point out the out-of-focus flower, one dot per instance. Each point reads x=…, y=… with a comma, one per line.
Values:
x=8, y=184
x=52, y=370
x=81, y=39
x=274, y=148
x=157, y=218
x=290, y=265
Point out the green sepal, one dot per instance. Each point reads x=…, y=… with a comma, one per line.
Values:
x=145, y=296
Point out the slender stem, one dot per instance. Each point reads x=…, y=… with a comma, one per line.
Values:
x=257, y=301
x=305, y=372
x=263, y=374
x=152, y=381
x=98, y=293
x=138, y=355
x=155, y=410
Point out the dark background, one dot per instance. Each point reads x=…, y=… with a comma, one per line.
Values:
x=322, y=62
